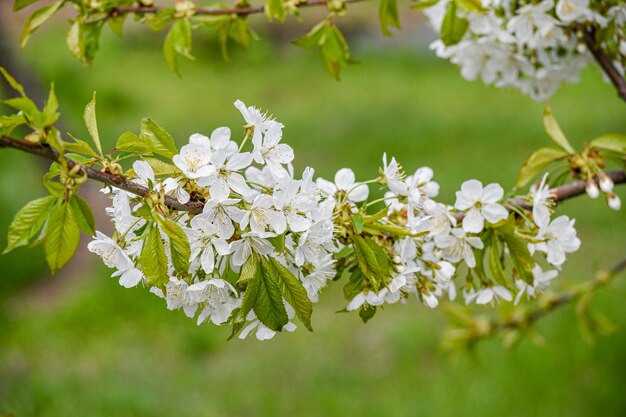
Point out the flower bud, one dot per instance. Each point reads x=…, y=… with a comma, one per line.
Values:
x=606, y=183
x=622, y=47
x=614, y=202
x=184, y=9
x=592, y=189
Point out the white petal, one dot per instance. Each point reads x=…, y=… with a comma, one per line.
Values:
x=344, y=179
x=473, y=221
x=493, y=213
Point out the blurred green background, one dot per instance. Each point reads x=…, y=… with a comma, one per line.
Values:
x=78, y=344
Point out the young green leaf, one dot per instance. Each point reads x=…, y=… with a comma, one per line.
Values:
x=179, y=245
x=162, y=168
x=520, y=256
x=423, y=4
x=269, y=307
x=275, y=9
x=554, y=130
x=160, y=141
x=38, y=18
x=536, y=162
x=495, y=264
x=373, y=261
x=611, y=142
x=177, y=41
x=80, y=147
x=84, y=216
x=50, y=109
x=92, y=124
x=12, y=82
x=470, y=6
x=83, y=40
x=314, y=37
x=62, y=236
x=388, y=16
x=251, y=277
x=153, y=259
x=116, y=23
x=20, y=4
x=453, y=27
x=132, y=143
x=292, y=289
x=357, y=222
x=27, y=222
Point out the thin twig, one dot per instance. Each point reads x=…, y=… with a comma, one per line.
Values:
x=605, y=63
x=116, y=181
x=241, y=11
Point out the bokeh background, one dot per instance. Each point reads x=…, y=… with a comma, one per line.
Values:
x=78, y=344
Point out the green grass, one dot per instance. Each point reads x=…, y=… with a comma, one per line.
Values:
x=93, y=348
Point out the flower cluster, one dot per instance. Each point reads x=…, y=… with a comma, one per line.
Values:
x=266, y=243
x=531, y=46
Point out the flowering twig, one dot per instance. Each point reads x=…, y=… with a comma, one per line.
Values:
x=117, y=181
x=546, y=304
x=558, y=194
x=605, y=63
x=241, y=11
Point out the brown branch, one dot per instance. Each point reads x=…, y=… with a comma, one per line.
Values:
x=116, y=181
x=605, y=62
x=559, y=194
x=562, y=193
x=241, y=11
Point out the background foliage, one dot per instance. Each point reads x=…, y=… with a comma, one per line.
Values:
x=79, y=344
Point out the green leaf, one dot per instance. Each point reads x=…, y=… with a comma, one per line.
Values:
x=536, y=163
x=160, y=20
x=251, y=277
x=160, y=141
x=373, y=261
x=91, y=123
x=20, y=4
x=83, y=40
x=132, y=143
x=14, y=84
x=177, y=41
x=275, y=9
x=292, y=289
x=153, y=260
x=50, y=109
x=495, y=264
x=470, y=6
x=38, y=18
x=27, y=222
x=611, y=142
x=367, y=312
x=424, y=4
x=162, y=168
x=62, y=236
x=179, y=245
x=453, y=27
x=278, y=242
x=314, y=37
x=554, y=130
x=518, y=251
x=80, y=147
x=25, y=105
x=116, y=23
x=84, y=216
x=391, y=229
x=388, y=16
x=269, y=307
x=357, y=222
x=335, y=51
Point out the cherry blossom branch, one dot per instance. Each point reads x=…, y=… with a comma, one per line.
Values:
x=605, y=63
x=241, y=11
x=45, y=151
x=558, y=194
